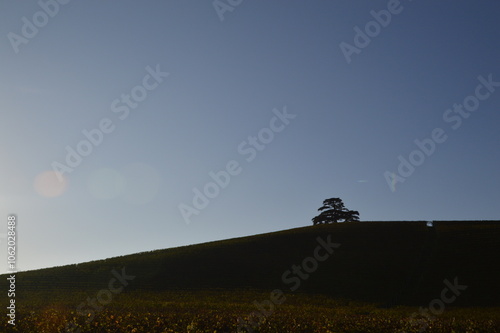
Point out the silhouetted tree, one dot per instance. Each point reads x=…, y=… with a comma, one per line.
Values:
x=333, y=210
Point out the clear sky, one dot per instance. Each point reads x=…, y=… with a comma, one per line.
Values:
x=296, y=101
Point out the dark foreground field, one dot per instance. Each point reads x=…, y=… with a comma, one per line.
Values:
x=220, y=311
x=357, y=277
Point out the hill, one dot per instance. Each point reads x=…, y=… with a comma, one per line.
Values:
x=383, y=262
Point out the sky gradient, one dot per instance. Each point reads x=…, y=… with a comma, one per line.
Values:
x=171, y=93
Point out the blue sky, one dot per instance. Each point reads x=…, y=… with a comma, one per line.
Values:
x=350, y=118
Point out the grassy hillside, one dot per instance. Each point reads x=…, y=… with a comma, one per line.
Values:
x=384, y=262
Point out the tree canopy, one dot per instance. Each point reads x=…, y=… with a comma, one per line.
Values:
x=333, y=211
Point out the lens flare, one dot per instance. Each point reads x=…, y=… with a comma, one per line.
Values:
x=142, y=183
x=50, y=184
x=105, y=184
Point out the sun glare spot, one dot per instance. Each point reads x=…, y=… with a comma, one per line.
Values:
x=142, y=183
x=105, y=184
x=50, y=184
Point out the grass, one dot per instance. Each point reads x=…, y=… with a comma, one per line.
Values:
x=373, y=282
x=218, y=311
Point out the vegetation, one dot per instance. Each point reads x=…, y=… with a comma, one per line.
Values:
x=374, y=282
x=333, y=211
x=218, y=311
